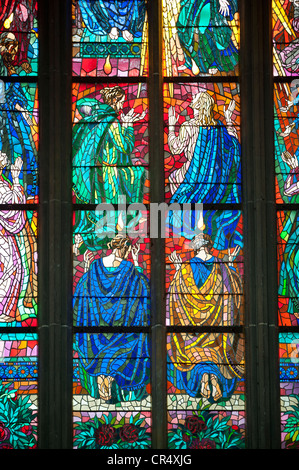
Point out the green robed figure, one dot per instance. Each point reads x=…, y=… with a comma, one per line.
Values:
x=102, y=166
x=102, y=145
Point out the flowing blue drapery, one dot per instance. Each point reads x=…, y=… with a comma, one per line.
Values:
x=114, y=297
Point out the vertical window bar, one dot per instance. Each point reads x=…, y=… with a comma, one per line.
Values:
x=260, y=229
x=55, y=225
x=158, y=374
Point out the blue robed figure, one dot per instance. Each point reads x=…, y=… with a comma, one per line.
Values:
x=113, y=293
x=211, y=172
x=104, y=17
x=214, y=173
x=206, y=36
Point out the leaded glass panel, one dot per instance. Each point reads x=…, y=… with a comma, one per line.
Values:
x=201, y=38
x=112, y=256
x=285, y=16
x=19, y=38
x=19, y=221
x=204, y=257
x=110, y=38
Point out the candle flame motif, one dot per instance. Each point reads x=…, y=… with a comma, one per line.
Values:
x=195, y=69
x=200, y=224
x=108, y=66
x=120, y=223
x=8, y=21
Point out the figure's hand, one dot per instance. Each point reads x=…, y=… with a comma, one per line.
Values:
x=88, y=258
x=139, y=116
x=294, y=162
x=135, y=251
x=229, y=111
x=126, y=117
x=78, y=241
x=287, y=130
x=27, y=67
x=224, y=7
x=172, y=118
x=290, y=160
x=131, y=116
x=175, y=259
x=16, y=169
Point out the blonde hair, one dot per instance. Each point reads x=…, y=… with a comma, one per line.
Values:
x=205, y=104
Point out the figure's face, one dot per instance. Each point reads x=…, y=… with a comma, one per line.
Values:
x=202, y=104
x=119, y=105
x=13, y=49
x=123, y=254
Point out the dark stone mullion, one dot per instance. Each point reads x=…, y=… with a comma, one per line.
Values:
x=55, y=255
x=262, y=375
x=157, y=195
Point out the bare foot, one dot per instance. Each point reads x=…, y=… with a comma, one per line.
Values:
x=213, y=71
x=204, y=386
x=104, y=385
x=216, y=391
x=114, y=33
x=127, y=36
x=6, y=318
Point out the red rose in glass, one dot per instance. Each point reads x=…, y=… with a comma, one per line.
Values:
x=105, y=435
x=4, y=432
x=6, y=446
x=27, y=429
x=129, y=433
x=203, y=444
x=195, y=424
x=186, y=437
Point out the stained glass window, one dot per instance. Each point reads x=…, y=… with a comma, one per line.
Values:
x=285, y=70
x=19, y=140
x=136, y=204
x=204, y=265
x=203, y=254
x=112, y=405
